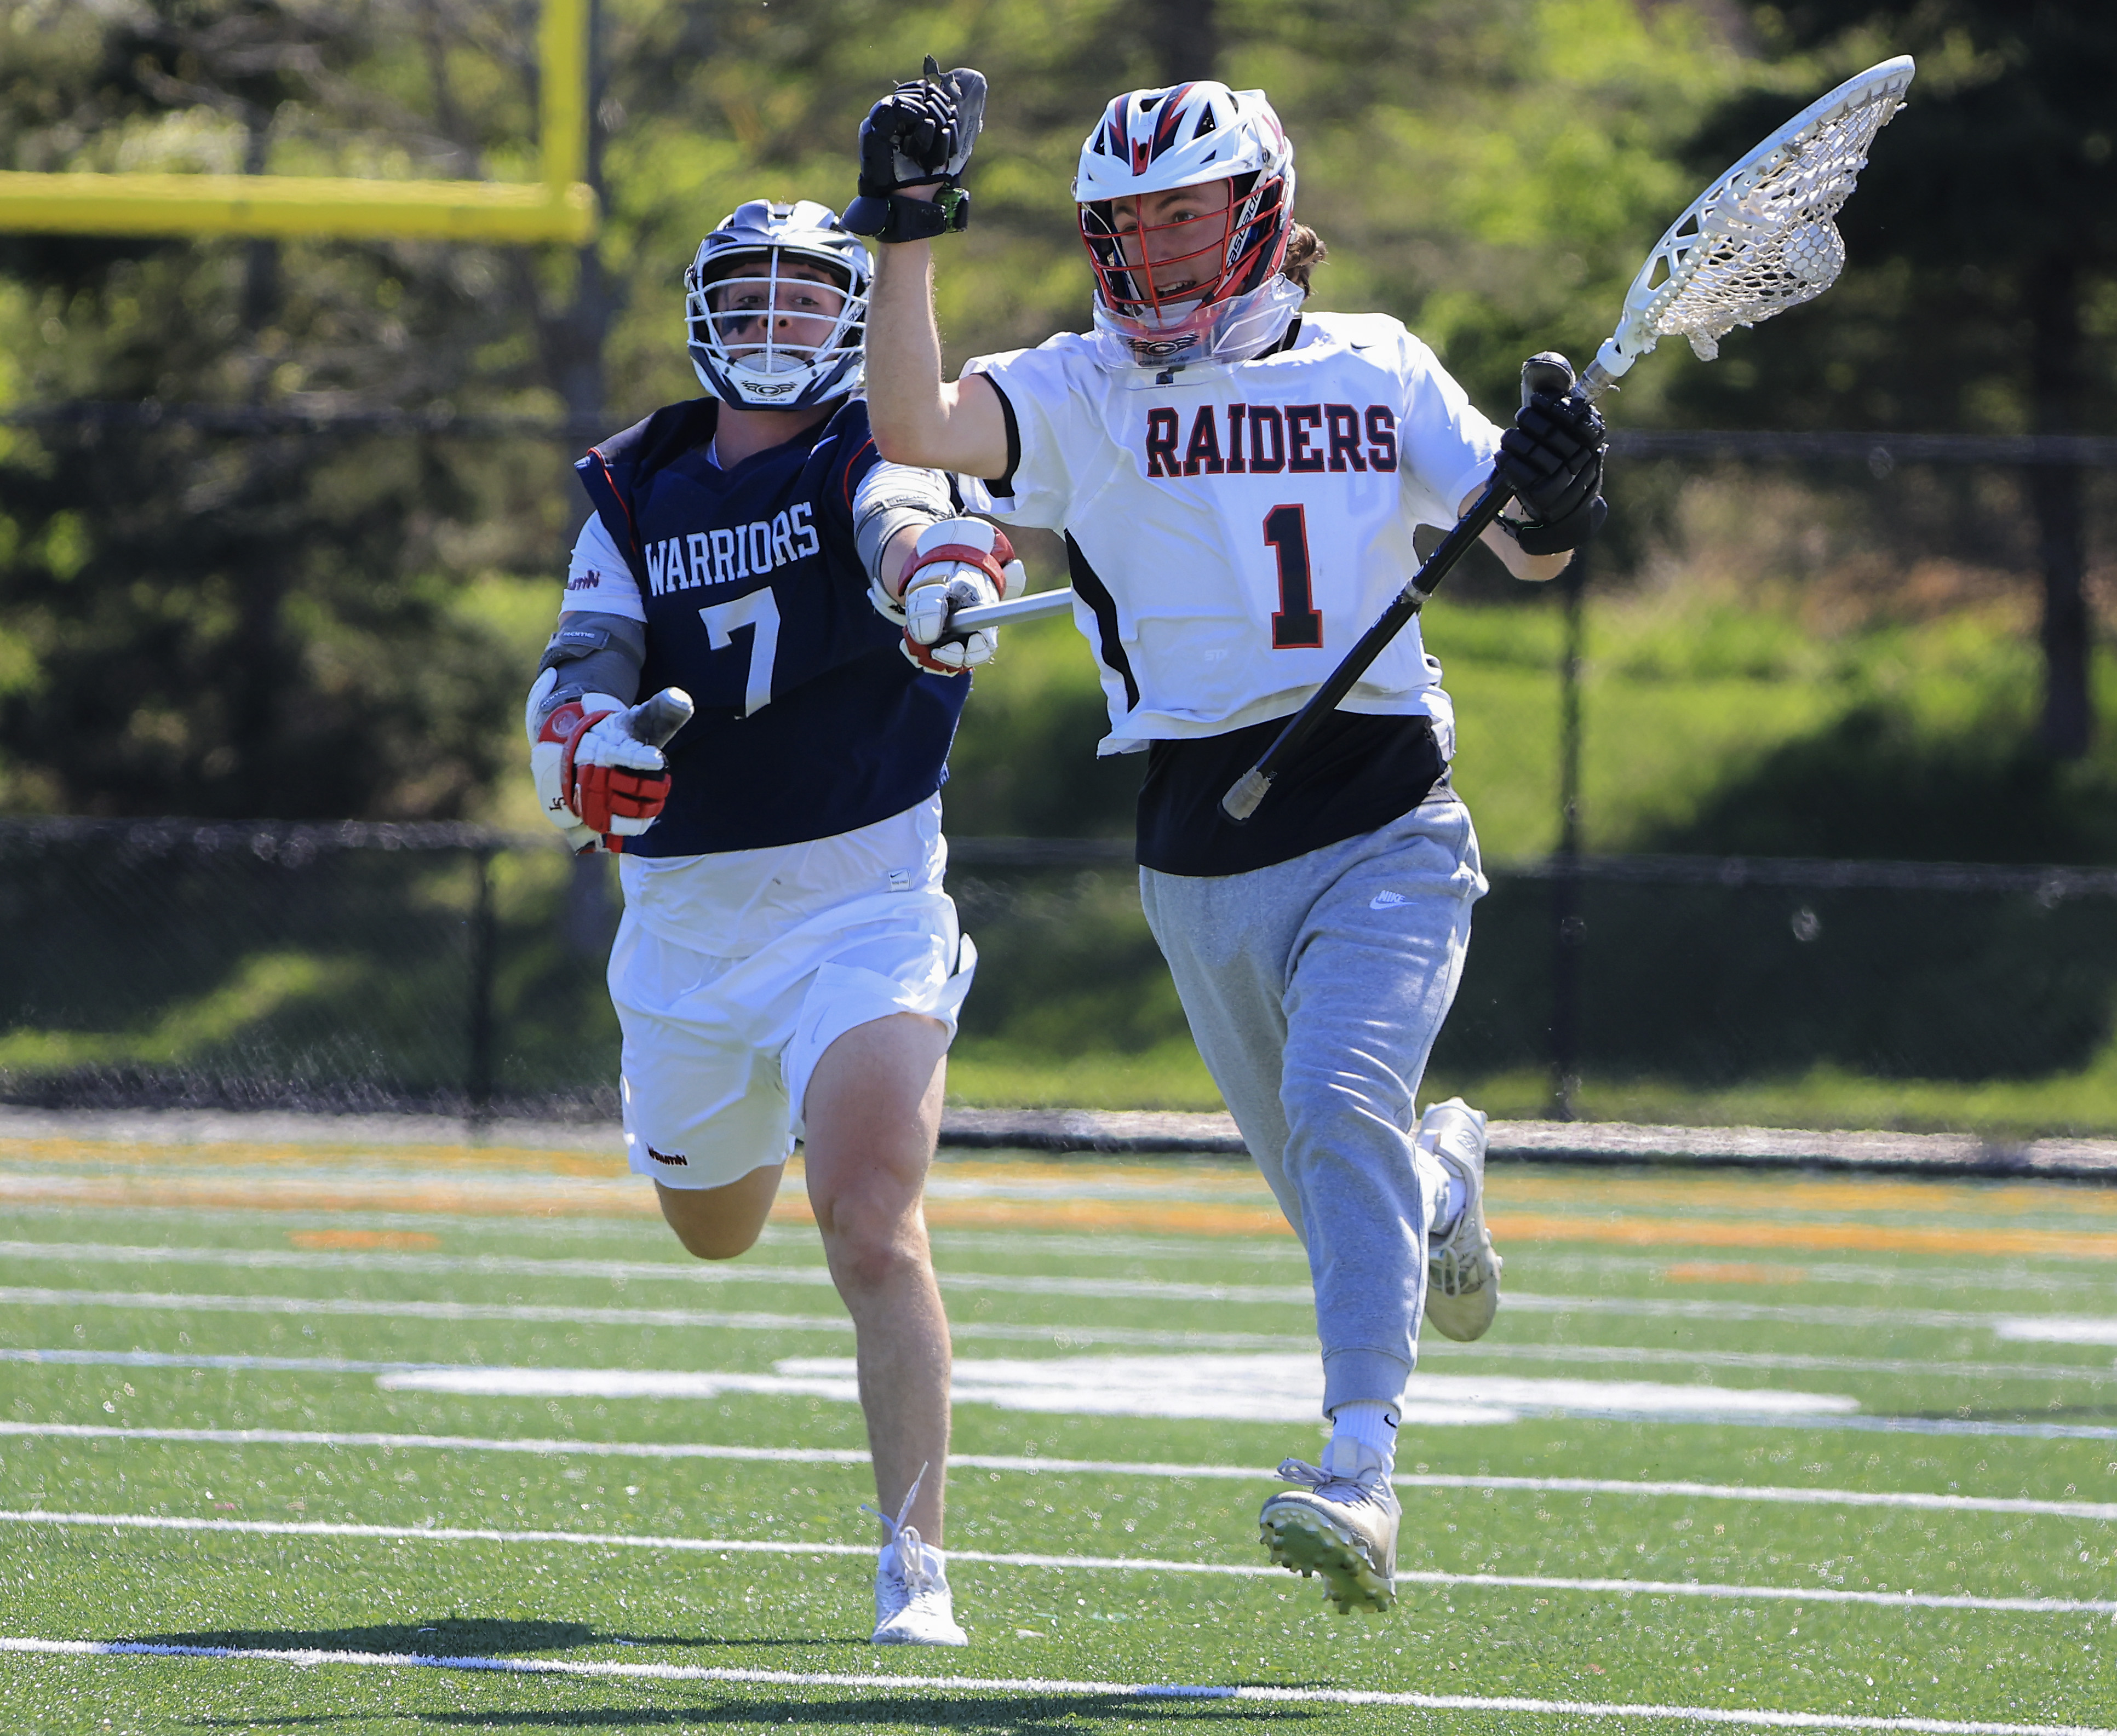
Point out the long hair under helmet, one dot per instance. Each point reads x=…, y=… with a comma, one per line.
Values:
x=744, y=358
x=1151, y=141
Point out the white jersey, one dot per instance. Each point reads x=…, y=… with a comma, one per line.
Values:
x=1233, y=533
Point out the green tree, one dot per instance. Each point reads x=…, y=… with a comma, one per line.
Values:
x=241, y=625
x=211, y=620
x=1984, y=244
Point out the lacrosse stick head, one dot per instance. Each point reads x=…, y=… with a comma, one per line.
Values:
x=1760, y=239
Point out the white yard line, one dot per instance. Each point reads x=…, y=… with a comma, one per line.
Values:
x=1047, y=1689
x=610, y=1271
x=1796, y=1272
x=1768, y=1494
x=1805, y=1594
x=1793, y=1361
x=23, y=1296
x=2059, y=1328
x=552, y=1313
x=1101, y=1288
x=568, y=1182
x=1070, y=1336
x=1517, y=1410
x=1984, y=1278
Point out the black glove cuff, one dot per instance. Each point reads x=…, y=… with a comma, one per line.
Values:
x=890, y=217
x=1563, y=535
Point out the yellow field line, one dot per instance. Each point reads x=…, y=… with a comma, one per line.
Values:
x=564, y=1184
x=1801, y=1193
x=1777, y=1195
x=1598, y=1192
x=1872, y=1238
x=119, y=1154
x=439, y=1198
x=1163, y=1217
x=1723, y=1271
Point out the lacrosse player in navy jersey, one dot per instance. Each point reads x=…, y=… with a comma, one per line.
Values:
x=1238, y=482
x=788, y=965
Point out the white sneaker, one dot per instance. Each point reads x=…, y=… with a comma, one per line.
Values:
x=1341, y=1523
x=1462, y=1271
x=912, y=1604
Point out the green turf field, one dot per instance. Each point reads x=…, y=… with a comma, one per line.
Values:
x=1743, y=1445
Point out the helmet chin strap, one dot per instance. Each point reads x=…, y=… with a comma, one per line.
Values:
x=1240, y=328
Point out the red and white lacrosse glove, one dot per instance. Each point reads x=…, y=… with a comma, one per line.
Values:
x=956, y=564
x=596, y=780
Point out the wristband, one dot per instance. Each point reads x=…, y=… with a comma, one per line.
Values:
x=890, y=217
x=962, y=554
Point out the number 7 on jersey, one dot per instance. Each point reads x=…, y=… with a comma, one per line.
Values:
x=759, y=611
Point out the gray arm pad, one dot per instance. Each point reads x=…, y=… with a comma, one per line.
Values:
x=892, y=498
x=594, y=654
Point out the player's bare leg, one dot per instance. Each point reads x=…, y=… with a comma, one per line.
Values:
x=873, y=1113
x=720, y=1223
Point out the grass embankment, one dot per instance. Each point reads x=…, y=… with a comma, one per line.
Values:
x=1774, y=724
x=1762, y=719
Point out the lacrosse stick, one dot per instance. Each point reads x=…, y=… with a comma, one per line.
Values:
x=1021, y=609
x=1758, y=241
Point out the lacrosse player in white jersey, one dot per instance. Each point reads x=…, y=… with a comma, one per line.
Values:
x=1238, y=483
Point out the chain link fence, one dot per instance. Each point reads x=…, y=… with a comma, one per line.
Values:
x=433, y=967
x=457, y=968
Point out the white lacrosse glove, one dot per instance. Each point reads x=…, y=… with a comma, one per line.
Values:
x=597, y=778
x=956, y=564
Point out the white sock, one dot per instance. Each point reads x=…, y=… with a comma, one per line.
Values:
x=1456, y=1195
x=1370, y=1423
x=1445, y=1193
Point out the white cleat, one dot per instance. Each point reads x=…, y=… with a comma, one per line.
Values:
x=912, y=1604
x=1462, y=1270
x=1341, y=1522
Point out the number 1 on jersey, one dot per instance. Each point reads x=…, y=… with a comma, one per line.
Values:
x=759, y=611
x=1298, y=625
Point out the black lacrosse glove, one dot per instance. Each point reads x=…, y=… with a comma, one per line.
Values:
x=918, y=135
x=1552, y=460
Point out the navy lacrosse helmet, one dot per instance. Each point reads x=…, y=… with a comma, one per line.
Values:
x=763, y=332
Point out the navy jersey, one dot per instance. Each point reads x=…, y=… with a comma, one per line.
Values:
x=810, y=721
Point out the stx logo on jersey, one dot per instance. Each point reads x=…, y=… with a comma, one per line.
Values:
x=746, y=551
x=1265, y=439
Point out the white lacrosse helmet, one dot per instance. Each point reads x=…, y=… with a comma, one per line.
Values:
x=1151, y=141
x=809, y=352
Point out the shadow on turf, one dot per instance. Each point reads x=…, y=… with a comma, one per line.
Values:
x=1006, y=1715
x=456, y=1638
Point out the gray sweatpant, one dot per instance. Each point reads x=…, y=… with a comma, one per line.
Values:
x=1314, y=989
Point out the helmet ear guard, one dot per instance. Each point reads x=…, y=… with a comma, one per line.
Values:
x=743, y=355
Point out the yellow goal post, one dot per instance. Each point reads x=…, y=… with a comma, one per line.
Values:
x=557, y=206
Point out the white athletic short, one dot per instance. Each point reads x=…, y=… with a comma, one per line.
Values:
x=733, y=973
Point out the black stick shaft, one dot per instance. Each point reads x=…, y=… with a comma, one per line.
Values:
x=1246, y=792
x=1548, y=372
